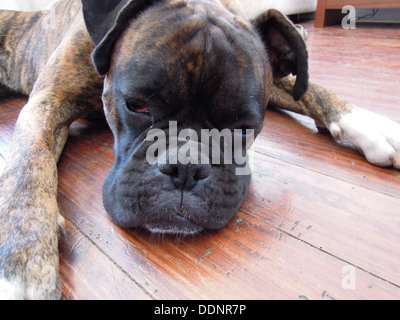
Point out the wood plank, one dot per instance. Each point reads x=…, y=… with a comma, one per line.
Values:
x=90, y=275
x=326, y=213
x=364, y=69
x=321, y=153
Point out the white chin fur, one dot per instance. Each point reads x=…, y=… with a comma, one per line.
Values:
x=172, y=231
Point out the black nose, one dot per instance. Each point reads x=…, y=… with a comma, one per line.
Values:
x=185, y=176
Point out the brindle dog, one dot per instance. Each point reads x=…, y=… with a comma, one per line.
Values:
x=199, y=63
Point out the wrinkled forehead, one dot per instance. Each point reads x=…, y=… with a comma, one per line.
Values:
x=165, y=25
x=189, y=44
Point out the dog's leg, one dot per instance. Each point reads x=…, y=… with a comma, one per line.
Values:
x=28, y=209
x=375, y=136
x=29, y=214
x=67, y=88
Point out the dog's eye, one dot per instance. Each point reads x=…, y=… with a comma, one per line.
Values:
x=137, y=106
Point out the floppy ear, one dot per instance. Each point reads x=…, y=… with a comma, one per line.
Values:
x=105, y=20
x=286, y=49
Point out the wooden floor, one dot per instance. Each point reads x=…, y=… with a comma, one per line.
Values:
x=319, y=222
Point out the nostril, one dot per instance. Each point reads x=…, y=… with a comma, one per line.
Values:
x=203, y=172
x=185, y=176
x=195, y=173
x=169, y=169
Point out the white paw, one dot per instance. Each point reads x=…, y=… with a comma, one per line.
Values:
x=33, y=285
x=374, y=135
x=29, y=265
x=11, y=290
x=48, y=287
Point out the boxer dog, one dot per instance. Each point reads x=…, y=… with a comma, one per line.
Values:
x=198, y=64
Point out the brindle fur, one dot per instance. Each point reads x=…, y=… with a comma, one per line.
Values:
x=63, y=86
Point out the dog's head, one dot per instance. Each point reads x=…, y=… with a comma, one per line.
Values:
x=186, y=88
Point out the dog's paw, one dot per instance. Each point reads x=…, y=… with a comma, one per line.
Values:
x=33, y=280
x=375, y=136
x=45, y=287
x=29, y=260
x=29, y=273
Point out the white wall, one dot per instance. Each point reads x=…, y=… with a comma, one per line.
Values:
x=252, y=7
x=255, y=7
x=26, y=5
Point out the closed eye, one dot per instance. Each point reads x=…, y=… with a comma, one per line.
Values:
x=137, y=106
x=141, y=110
